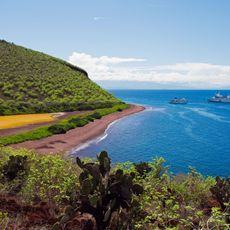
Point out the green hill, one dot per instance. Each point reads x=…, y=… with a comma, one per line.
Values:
x=33, y=82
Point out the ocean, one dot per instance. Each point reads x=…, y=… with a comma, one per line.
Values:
x=196, y=134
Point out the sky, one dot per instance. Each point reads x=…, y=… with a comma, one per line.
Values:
x=156, y=44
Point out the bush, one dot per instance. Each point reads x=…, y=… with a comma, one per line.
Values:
x=57, y=129
x=90, y=118
x=96, y=115
x=47, y=177
x=79, y=122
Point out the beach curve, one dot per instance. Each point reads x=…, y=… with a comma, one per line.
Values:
x=62, y=143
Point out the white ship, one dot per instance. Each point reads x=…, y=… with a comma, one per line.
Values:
x=219, y=98
x=176, y=100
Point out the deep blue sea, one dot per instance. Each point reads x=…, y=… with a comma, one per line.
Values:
x=196, y=134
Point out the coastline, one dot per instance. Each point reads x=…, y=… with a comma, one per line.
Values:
x=76, y=137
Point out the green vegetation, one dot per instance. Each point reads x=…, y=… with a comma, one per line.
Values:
x=92, y=193
x=61, y=127
x=33, y=82
x=102, y=194
x=36, y=177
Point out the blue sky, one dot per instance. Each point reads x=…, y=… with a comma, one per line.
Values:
x=166, y=43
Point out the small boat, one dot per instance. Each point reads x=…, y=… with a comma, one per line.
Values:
x=218, y=98
x=176, y=100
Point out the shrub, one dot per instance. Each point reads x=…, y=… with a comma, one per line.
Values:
x=79, y=122
x=48, y=178
x=96, y=115
x=90, y=118
x=57, y=129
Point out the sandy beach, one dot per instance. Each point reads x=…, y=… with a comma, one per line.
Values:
x=65, y=142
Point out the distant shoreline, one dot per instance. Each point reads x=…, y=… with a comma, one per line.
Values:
x=62, y=143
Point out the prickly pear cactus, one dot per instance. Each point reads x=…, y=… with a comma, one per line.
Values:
x=104, y=194
x=142, y=168
x=221, y=191
x=14, y=166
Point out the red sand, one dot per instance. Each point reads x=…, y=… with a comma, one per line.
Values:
x=71, y=139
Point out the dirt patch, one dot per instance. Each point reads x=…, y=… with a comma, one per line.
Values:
x=24, y=216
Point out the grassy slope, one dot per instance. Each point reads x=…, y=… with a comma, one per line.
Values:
x=33, y=82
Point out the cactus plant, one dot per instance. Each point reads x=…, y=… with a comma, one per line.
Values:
x=221, y=191
x=14, y=166
x=142, y=168
x=103, y=193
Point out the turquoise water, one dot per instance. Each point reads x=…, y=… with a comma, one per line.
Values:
x=196, y=134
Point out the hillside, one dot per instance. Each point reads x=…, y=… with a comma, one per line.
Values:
x=33, y=82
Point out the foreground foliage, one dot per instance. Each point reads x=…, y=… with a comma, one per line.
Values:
x=33, y=82
x=58, y=194
x=107, y=196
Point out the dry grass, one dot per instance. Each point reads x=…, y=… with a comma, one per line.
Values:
x=13, y=121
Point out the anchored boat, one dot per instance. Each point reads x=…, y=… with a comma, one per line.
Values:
x=218, y=98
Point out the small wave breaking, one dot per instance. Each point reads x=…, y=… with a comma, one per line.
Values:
x=182, y=115
x=203, y=112
x=95, y=140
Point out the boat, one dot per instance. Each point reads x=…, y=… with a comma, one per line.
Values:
x=218, y=98
x=176, y=100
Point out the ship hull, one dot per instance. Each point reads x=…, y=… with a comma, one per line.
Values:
x=219, y=101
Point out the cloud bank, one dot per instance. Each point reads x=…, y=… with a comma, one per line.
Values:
x=185, y=75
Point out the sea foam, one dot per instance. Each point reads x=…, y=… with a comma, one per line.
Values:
x=203, y=112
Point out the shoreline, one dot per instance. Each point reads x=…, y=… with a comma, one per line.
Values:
x=96, y=139
x=74, y=138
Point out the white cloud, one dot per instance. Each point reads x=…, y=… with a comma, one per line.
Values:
x=187, y=75
x=99, y=65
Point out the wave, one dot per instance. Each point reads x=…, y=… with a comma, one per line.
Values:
x=106, y=131
x=182, y=115
x=94, y=140
x=203, y=112
x=148, y=108
x=162, y=110
x=189, y=128
x=189, y=132
x=224, y=107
